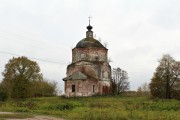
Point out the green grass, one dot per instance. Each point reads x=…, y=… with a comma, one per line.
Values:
x=98, y=108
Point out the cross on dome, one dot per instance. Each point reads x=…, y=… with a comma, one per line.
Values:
x=89, y=19
x=89, y=27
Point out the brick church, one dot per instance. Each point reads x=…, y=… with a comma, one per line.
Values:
x=89, y=73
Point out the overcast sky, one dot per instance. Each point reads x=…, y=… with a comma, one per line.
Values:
x=138, y=33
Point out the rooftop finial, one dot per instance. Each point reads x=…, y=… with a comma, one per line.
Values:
x=89, y=19
x=89, y=27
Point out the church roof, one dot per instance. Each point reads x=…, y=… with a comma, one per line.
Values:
x=89, y=42
x=79, y=76
x=76, y=76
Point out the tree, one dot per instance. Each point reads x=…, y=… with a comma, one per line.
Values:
x=139, y=91
x=19, y=74
x=44, y=88
x=165, y=81
x=119, y=81
x=3, y=93
x=143, y=90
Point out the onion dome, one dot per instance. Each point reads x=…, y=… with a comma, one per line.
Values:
x=89, y=27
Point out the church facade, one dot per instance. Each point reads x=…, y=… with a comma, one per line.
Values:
x=89, y=73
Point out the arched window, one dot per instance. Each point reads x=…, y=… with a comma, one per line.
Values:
x=106, y=74
x=83, y=56
x=96, y=57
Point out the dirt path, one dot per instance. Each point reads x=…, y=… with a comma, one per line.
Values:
x=6, y=113
x=39, y=118
x=33, y=118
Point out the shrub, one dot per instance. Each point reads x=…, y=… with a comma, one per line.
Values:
x=27, y=104
x=3, y=96
x=63, y=106
x=22, y=110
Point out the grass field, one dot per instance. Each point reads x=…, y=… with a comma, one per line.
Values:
x=98, y=108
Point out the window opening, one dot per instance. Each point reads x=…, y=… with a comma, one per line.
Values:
x=93, y=88
x=73, y=88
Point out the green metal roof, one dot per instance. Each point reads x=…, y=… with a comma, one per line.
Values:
x=76, y=76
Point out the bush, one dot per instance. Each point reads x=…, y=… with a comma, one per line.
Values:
x=63, y=106
x=176, y=94
x=27, y=104
x=3, y=95
x=22, y=110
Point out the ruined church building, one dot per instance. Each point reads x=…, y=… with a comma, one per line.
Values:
x=89, y=73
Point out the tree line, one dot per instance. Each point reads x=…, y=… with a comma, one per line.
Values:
x=22, y=79
x=164, y=84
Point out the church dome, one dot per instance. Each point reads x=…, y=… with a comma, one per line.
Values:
x=89, y=42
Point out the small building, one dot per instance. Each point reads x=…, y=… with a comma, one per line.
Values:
x=89, y=73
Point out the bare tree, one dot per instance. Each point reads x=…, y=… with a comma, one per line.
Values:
x=139, y=91
x=143, y=90
x=119, y=80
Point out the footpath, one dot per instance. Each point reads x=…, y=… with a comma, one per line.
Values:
x=33, y=118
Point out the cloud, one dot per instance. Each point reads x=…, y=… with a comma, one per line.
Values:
x=137, y=32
